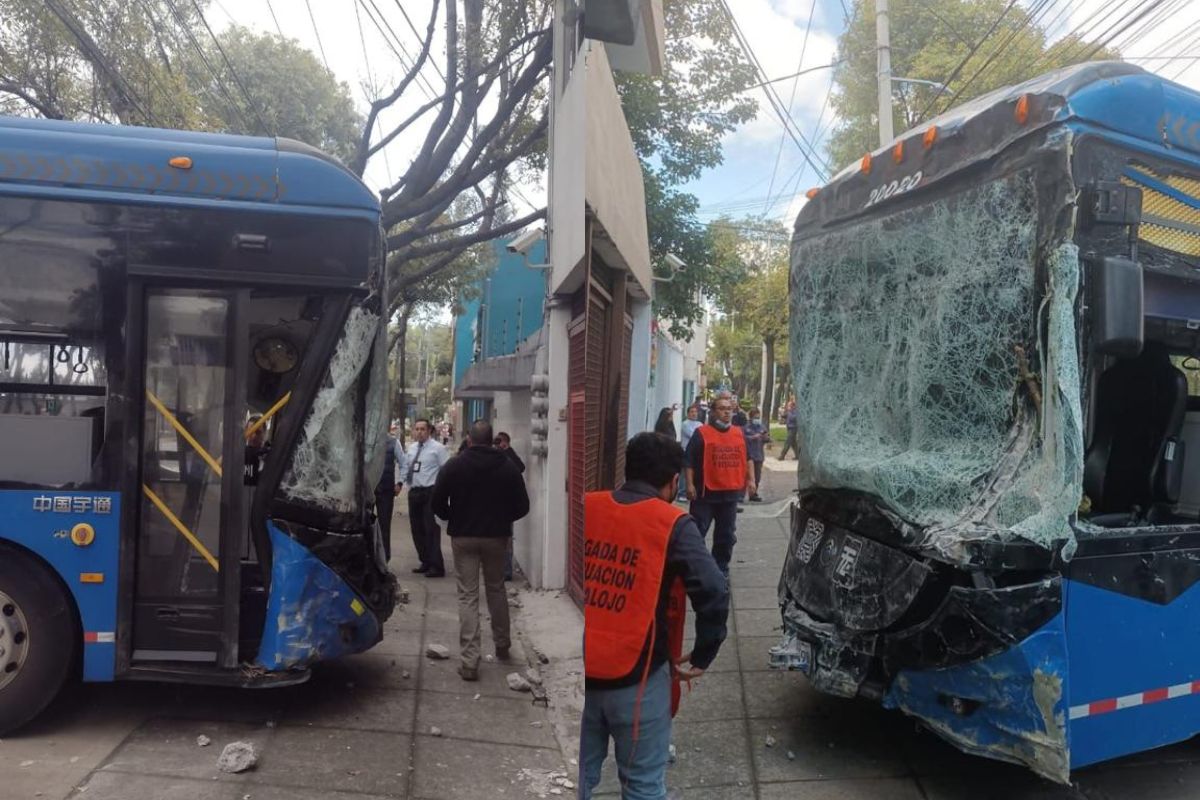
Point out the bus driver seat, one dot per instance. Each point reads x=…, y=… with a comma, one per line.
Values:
x=1134, y=467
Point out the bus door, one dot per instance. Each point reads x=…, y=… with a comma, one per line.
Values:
x=190, y=487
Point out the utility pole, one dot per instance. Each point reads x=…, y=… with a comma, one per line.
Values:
x=884, y=48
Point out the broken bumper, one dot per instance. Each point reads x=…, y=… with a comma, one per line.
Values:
x=982, y=666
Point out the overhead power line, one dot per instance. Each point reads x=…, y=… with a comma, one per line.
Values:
x=317, y=31
x=791, y=102
x=266, y=129
x=962, y=64
x=234, y=106
x=278, y=28
x=806, y=148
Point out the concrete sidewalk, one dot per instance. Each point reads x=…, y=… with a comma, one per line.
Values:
x=362, y=728
x=747, y=732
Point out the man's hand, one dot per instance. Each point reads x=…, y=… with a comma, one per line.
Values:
x=685, y=673
x=399, y=486
x=751, y=488
x=691, y=492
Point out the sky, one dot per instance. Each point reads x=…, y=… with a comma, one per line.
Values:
x=764, y=173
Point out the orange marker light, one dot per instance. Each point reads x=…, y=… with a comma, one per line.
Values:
x=1022, y=110
x=91, y=577
x=898, y=152
x=865, y=164
x=930, y=137
x=180, y=162
x=811, y=193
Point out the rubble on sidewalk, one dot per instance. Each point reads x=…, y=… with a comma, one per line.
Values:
x=203, y=741
x=518, y=683
x=438, y=652
x=238, y=757
x=546, y=783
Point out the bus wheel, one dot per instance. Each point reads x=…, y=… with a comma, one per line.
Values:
x=38, y=640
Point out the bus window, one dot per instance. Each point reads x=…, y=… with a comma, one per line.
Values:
x=53, y=378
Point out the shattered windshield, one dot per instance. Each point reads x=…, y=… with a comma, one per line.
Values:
x=326, y=469
x=915, y=338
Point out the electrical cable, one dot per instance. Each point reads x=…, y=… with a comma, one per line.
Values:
x=266, y=129
x=962, y=64
x=317, y=31
x=791, y=101
x=221, y=87
x=279, y=29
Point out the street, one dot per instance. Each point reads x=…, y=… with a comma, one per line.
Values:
x=747, y=732
x=361, y=728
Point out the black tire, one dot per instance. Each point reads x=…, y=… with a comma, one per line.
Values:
x=38, y=634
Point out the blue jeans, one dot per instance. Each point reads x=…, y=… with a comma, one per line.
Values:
x=641, y=764
x=725, y=532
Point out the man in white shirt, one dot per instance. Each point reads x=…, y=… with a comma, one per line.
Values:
x=418, y=468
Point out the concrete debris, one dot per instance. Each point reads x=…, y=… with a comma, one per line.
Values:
x=791, y=756
x=406, y=674
x=770, y=741
x=517, y=682
x=203, y=741
x=513, y=591
x=543, y=658
x=489, y=658
x=477, y=696
x=434, y=730
x=437, y=651
x=542, y=782
x=237, y=757
x=514, y=603
x=536, y=724
x=671, y=754
x=402, y=597
x=271, y=723
x=533, y=676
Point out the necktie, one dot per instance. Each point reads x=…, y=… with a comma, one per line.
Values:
x=412, y=466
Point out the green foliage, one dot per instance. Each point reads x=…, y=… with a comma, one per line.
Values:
x=288, y=87
x=677, y=122
x=929, y=39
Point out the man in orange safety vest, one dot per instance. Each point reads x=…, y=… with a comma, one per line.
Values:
x=718, y=476
x=642, y=555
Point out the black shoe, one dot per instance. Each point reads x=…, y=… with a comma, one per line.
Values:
x=420, y=569
x=755, y=498
x=441, y=573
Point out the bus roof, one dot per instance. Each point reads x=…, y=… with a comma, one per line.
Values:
x=1112, y=95
x=168, y=166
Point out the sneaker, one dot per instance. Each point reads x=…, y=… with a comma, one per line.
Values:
x=468, y=673
x=755, y=498
x=420, y=570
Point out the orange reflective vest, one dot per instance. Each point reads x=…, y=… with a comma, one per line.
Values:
x=624, y=558
x=724, y=458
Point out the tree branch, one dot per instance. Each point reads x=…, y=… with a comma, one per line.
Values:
x=485, y=233
x=45, y=109
x=364, y=151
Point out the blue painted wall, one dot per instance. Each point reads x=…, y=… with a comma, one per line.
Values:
x=507, y=310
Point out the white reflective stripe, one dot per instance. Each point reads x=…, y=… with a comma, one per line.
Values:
x=1078, y=712
x=106, y=636
x=1129, y=700
x=1179, y=690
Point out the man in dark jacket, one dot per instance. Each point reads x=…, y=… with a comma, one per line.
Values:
x=480, y=494
x=504, y=442
x=619, y=638
x=385, y=492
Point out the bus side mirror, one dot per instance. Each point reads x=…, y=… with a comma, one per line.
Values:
x=1117, y=306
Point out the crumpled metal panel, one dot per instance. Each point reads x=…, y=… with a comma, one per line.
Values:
x=312, y=614
x=1010, y=706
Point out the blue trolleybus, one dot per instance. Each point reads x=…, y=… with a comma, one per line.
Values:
x=192, y=396
x=995, y=341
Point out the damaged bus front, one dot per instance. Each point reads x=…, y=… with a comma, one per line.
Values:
x=192, y=404
x=993, y=322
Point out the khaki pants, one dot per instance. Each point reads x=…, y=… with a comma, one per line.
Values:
x=470, y=554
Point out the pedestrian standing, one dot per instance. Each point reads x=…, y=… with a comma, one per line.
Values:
x=642, y=554
x=481, y=494
x=503, y=443
x=739, y=416
x=718, y=475
x=756, y=436
x=387, y=489
x=792, y=424
x=419, y=470
x=665, y=424
x=688, y=429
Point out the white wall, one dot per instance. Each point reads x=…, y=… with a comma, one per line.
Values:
x=639, y=369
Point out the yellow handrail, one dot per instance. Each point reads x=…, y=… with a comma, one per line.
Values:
x=272, y=411
x=178, y=426
x=183, y=529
